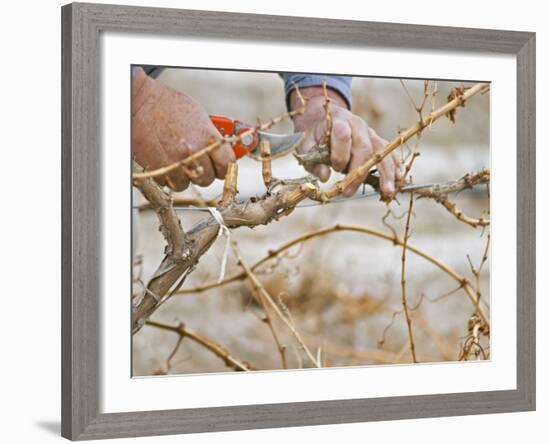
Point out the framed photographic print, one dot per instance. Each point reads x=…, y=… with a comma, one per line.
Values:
x=336, y=226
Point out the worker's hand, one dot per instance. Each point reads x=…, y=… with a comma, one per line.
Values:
x=168, y=126
x=352, y=142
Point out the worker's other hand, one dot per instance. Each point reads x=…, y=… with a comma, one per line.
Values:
x=352, y=142
x=168, y=126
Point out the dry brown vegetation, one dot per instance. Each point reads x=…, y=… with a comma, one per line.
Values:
x=293, y=316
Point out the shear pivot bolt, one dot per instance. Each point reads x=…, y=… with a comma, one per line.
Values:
x=248, y=139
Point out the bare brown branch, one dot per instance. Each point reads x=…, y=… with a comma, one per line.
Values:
x=264, y=295
x=207, y=343
x=184, y=250
x=184, y=201
x=467, y=181
x=404, y=285
x=440, y=193
x=265, y=151
x=260, y=295
x=418, y=127
x=472, y=345
x=230, y=184
x=477, y=271
x=462, y=281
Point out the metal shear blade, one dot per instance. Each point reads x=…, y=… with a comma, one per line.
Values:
x=278, y=143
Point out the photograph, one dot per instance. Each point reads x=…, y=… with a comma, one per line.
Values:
x=274, y=222
x=301, y=221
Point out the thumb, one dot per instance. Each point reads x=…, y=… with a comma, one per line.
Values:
x=319, y=170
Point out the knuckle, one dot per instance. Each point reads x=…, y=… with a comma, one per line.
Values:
x=341, y=131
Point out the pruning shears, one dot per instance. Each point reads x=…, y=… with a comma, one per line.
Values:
x=249, y=143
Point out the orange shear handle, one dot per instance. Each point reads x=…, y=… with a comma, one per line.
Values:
x=227, y=127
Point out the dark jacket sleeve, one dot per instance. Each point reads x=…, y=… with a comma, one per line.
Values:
x=151, y=71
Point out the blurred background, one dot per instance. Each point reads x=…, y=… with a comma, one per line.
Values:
x=343, y=290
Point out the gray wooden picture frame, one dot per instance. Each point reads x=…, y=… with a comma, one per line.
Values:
x=81, y=216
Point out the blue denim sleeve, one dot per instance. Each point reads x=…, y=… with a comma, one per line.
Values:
x=342, y=84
